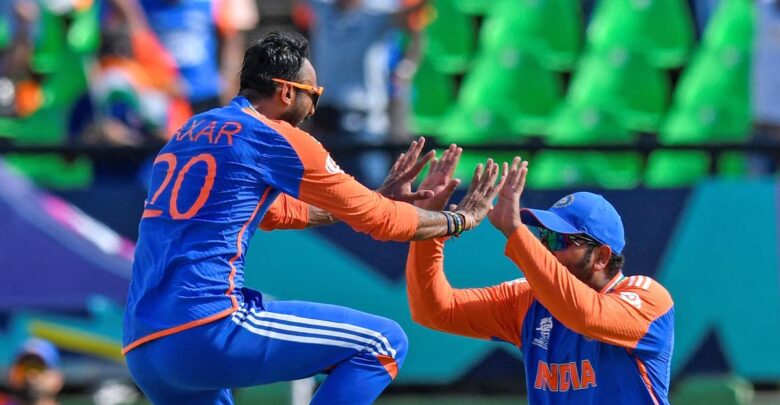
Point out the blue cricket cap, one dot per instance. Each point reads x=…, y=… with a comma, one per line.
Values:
x=42, y=349
x=581, y=213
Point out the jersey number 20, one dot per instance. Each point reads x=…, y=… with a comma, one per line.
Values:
x=205, y=189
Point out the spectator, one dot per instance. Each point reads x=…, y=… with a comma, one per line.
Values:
x=351, y=48
x=20, y=93
x=35, y=377
x=195, y=32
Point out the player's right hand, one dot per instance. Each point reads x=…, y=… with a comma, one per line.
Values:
x=506, y=214
x=483, y=189
x=439, y=180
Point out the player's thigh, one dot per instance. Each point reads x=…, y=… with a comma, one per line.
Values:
x=150, y=372
x=288, y=340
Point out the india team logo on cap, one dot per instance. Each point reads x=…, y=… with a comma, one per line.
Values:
x=564, y=202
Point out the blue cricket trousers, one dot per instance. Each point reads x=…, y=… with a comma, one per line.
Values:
x=267, y=342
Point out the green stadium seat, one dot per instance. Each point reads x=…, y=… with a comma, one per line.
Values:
x=577, y=125
x=720, y=390
x=586, y=125
x=661, y=30
x=50, y=45
x=560, y=169
x=732, y=25
x=451, y=38
x=711, y=106
x=548, y=29
x=84, y=33
x=623, y=83
x=476, y=7
x=671, y=169
x=715, y=89
x=470, y=160
x=433, y=93
x=476, y=125
x=512, y=83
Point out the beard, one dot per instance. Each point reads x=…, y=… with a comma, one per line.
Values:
x=584, y=269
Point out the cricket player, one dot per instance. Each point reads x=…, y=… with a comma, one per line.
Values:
x=192, y=331
x=588, y=333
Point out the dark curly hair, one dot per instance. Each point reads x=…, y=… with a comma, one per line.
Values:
x=278, y=55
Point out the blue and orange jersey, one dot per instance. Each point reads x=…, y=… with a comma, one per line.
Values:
x=579, y=345
x=211, y=187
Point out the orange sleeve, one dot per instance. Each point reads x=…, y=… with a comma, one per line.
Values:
x=286, y=213
x=621, y=317
x=326, y=186
x=483, y=313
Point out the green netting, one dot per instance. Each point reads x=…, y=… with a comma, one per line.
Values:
x=432, y=95
x=450, y=38
x=732, y=25
x=623, y=83
x=551, y=30
x=559, y=169
x=661, y=30
x=512, y=83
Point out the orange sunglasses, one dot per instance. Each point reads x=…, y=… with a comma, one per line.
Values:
x=314, y=91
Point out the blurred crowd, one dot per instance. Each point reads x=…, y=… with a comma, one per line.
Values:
x=571, y=72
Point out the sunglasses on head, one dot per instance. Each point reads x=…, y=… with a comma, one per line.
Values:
x=556, y=242
x=314, y=91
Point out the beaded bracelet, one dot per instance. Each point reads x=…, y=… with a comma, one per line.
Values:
x=449, y=222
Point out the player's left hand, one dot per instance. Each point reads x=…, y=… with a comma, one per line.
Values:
x=506, y=214
x=398, y=183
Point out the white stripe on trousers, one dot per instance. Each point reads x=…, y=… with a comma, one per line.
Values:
x=330, y=324
x=372, y=344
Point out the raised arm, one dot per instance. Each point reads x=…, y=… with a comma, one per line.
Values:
x=289, y=213
x=323, y=184
x=485, y=313
x=621, y=318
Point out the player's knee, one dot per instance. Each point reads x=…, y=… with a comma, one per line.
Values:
x=398, y=340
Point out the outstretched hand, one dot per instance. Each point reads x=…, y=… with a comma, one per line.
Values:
x=398, y=183
x=506, y=214
x=479, y=198
x=439, y=180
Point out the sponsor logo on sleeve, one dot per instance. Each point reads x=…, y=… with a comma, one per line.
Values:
x=331, y=166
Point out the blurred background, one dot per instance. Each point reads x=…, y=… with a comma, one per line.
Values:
x=669, y=108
